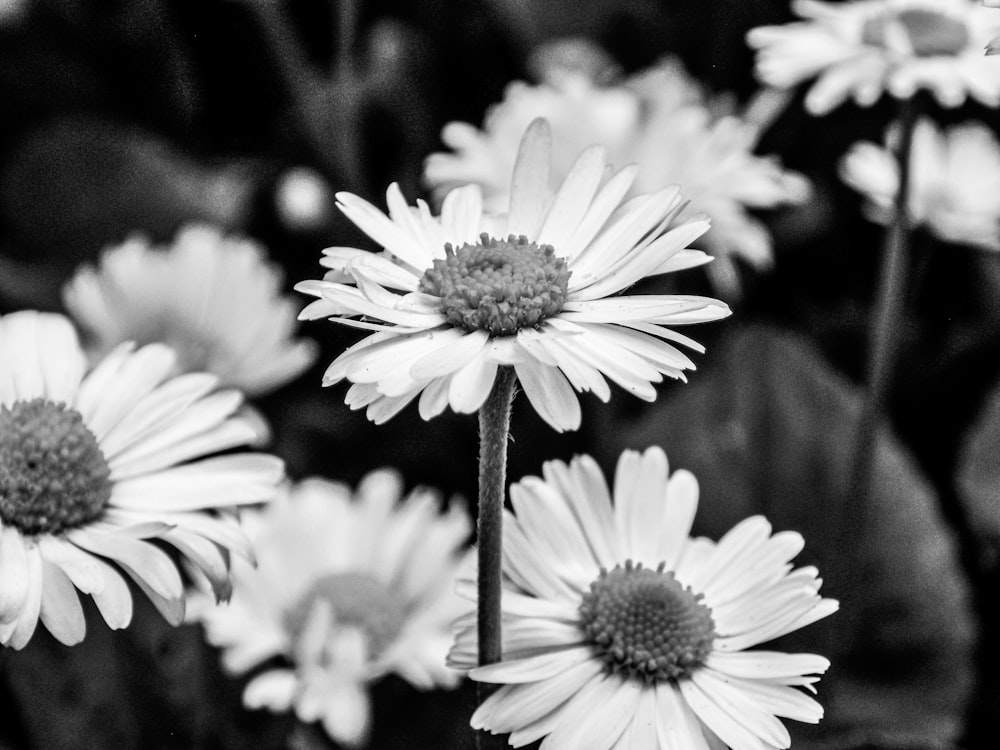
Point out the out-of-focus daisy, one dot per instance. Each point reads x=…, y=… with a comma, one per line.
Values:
x=579, y=113
x=954, y=182
x=96, y=467
x=865, y=47
x=346, y=589
x=621, y=631
x=213, y=298
x=455, y=297
x=659, y=119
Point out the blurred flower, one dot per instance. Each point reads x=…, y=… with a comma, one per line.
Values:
x=454, y=298
x=213, y=298
x=621, y=631
x=659, y=119
x=96, y=467
x=579, y=113
x=863, y=48
x=347, y=589
x=954, y=182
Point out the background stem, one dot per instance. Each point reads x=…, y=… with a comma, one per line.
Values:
x=883, y=343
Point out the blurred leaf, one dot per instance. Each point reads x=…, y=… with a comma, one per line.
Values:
x=979, y=470
x=767, y=428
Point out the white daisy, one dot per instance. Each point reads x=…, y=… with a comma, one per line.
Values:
x=347, y=589
x=865, y=47
x=213, y=298
x=96, y=467
x=454, y=298
x=954, y=182
x=620, y=631
x=659, y=119
x=579, y=113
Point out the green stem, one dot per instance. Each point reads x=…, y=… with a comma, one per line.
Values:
x=494, y=431
x=884, y=338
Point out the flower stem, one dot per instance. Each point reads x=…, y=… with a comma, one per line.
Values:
x=494, y=431
x=884, y=338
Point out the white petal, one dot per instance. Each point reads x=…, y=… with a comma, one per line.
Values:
x=550, y=395
x=573, y=199
x=529, y=185
x=60, y=610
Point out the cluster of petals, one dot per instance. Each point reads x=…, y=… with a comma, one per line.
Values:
x=158, y=435
x=608, y=243
x=566, y=528
x=833, y=44
x=381, y=547
x=661, y=120
x=954, y=188
x=214, y=298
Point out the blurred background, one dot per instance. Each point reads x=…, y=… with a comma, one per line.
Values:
x=126, y=115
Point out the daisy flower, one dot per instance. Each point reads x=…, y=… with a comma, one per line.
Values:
x=865, y=47
x=455, y=297
x=213, y=298
x=954, y=182
x=579, y=113
x=98, y=470
x=621, y=631
x=660, y=119
x=347, y=589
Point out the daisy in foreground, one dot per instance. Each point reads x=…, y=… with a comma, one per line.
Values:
x=954, y=182
x=455, y=297
x=347, y=589
x=620, y=631
x=865, y=47
x=96, y=467
x=212, y=297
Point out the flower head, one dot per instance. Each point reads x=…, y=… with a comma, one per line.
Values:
x=865, y=47
x=659, y=119
x=453, y=298
x=96, y=467
x=621, y=631
x=213, y=298
x=954, y=182
x=346, y=589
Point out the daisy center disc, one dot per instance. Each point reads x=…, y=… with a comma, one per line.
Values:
x=928, y=33
x=645, y=624
x=498, y=286
x=358, y=600
x=53, y=475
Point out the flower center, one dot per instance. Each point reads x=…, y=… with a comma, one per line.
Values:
x=358, y=600
x=498, y=286
x=53, y=475
x=646, y=624
x=928, y=33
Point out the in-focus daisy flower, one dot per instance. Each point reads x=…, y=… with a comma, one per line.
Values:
x=621, y=631
x=347, y=589
x=99, y=469
x=954, y=182
x=865, y=47
x=213, y=298
x=455, y=297
x=659, y=119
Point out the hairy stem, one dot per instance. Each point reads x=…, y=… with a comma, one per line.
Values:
x=494, y=431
